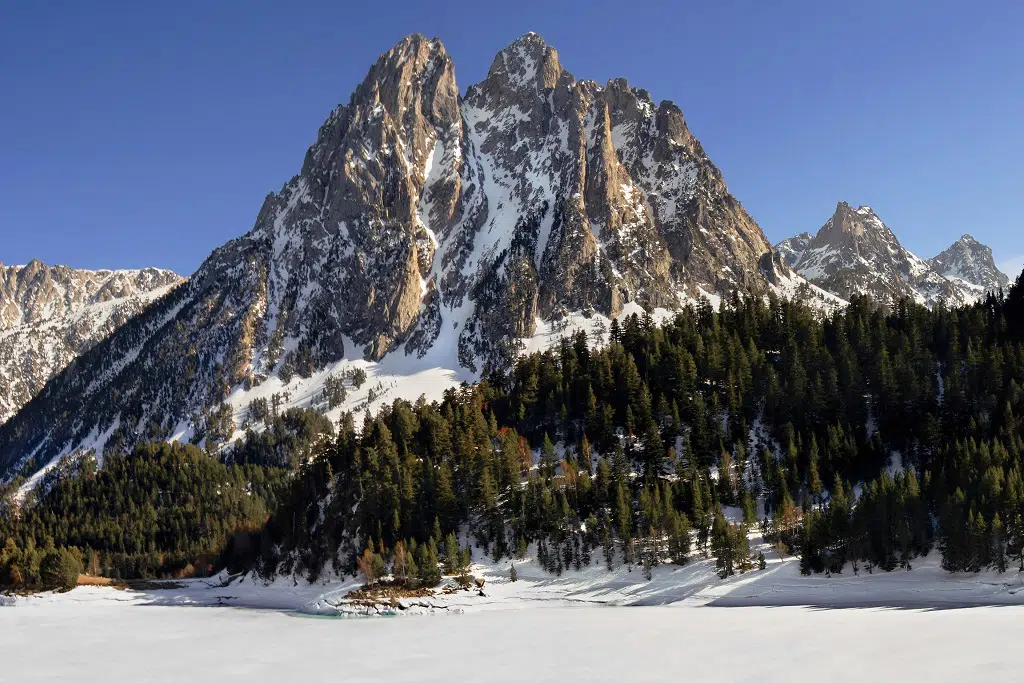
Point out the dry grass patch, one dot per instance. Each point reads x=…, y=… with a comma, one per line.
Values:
x=86, y=580
x=386, y=594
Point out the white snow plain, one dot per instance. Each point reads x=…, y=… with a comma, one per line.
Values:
x=594, y=625
x=113, y=641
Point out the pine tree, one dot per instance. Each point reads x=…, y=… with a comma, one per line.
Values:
x=721, y=546
x=998, y=542
x=747, y=504
x=978, y=542
x=739, y=547
x=813, y=478
x=679, y=538
x=726, y=478
x=452, y=560
x=585, y=456
x=60, y=569
x=1015, y=540
x=607, y=547
x=548, y=461
x=464, y=561
x=624, y=515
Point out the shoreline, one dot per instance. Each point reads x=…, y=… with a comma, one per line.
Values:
x=927, y=587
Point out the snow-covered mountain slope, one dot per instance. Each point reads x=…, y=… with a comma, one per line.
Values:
x=856, y=253
x=49, y=315
x=428, y=234
x=969, y=264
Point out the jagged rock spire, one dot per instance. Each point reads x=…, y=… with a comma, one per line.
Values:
x=423, y=225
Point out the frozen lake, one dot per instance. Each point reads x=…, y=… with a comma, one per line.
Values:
x=115, y=641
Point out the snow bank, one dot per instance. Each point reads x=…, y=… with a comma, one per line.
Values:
x=695, y=585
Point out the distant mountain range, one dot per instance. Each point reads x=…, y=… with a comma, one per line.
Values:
x=49, y=315
x=854, y=252
x=428, y=237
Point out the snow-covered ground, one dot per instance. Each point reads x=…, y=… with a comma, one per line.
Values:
x=694, y=585
x=112, y=641
x=924, y=624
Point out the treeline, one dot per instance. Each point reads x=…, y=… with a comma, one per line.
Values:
x=164, y=510
x=866, y=437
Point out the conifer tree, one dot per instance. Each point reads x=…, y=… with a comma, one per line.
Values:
x=978, y=542
x=547, y=457
x=998, y=543
x=1015, y=540
x=607, y=547
x=452, y=559
x=814, y=485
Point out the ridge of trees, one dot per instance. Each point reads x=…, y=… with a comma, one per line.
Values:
x=164, y=510
x=870, y=436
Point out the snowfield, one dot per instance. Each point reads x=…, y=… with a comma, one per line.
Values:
x=770, y=625
x=112, y=641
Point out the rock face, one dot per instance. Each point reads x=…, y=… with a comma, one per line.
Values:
x=856, y=253
x=969, y=264
x=792, y=248
x=49, y=315
x=423, y=224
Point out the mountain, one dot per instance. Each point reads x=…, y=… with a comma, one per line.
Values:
x=426, y=236
x=792, y=248
x=856, y=253
x=49, y=315
x=969, y=264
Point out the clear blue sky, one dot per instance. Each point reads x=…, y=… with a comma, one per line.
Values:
x=140, y=133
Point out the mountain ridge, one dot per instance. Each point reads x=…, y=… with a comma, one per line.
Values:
x=855, y=252
x=427, y=234
x=49, y=315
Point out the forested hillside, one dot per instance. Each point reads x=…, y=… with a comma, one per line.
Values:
x=869, y=436
x=161, y=511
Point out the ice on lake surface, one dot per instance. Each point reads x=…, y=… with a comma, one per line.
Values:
x=122, y=641
x=685, y=624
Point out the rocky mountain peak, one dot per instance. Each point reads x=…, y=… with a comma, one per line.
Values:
x=855, y=227
x=398, y=76
x=529, y=62
x=792, y=248
x=968, y=245
x=855, y=252
x=971, y=264
x=424, y=231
